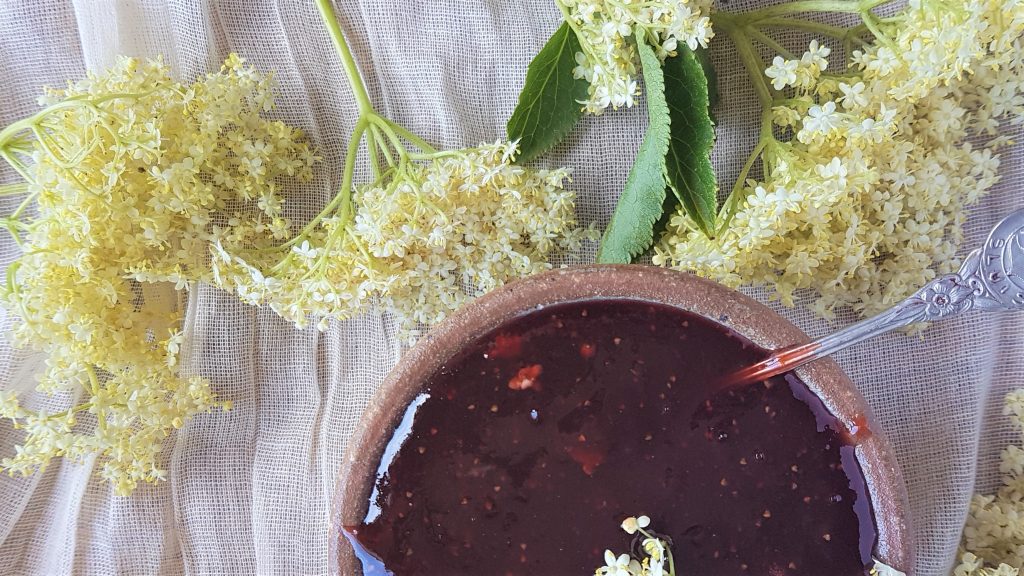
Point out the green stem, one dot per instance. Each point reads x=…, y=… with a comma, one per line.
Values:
x=389, y=131
x=351, y=70
x=803, y=6
x=16, y=164
x=362, y=250
x=69, y=411
x=344, y=197
x=23, y=205
x=801, y=24
x=382, y=144
x=768, y=42
x=373, y=153
x=733, y=201
x=101, y=417
x=414, y=139
x=435, y=155
x=27, y=123
x=871, y=21
x=753, y=63
x=13, y=189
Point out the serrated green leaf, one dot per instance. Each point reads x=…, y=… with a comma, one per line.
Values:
x=631, y=230
x=688, y=163
x=549, y=105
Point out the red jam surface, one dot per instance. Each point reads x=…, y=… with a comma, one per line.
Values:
x=526, y=452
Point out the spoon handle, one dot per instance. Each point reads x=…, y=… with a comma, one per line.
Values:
x=991, y=278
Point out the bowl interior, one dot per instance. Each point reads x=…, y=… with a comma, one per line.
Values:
x=726, y=307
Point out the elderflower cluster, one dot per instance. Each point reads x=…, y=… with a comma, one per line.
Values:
x=655, y=552
x=421, y=242
x=132, y=175
x=605, y=28
x=993, y=541
x=866, y=201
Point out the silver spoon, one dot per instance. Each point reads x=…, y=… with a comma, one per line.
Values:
x=991, y=278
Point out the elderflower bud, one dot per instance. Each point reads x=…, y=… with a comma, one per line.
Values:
x=632, y=524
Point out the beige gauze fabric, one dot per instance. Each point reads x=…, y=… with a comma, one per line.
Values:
x=249, y=490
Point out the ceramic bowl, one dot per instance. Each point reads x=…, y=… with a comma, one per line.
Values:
x=724, y=306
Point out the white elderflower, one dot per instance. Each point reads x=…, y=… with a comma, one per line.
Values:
x=420, y=245
x=879, y=172
x=605, y=28
x=782, y=72
x=993, y=534
x=120, y=224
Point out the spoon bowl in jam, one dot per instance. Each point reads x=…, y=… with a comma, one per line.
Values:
x=518, y=434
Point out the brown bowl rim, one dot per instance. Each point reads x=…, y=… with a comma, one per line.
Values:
x=722, y=305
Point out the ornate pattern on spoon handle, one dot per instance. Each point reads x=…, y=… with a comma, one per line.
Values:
x=991, y=278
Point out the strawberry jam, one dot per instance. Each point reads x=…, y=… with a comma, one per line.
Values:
x=525, y=453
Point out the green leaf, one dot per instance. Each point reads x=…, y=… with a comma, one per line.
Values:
x=704, y=57
x=549, y=105
x=631, y=230
x=688, y=164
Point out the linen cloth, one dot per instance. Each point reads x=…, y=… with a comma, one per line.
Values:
x=250, y=490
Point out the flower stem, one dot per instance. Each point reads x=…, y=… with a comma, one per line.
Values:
x=414, y=139
x=808, y=25
x=344, y=197
x=733, y=201
x=872, y=24
x=769, y=42
x=14, y=189
x=351, y=70
x=802, y=6
x=751, y=61
x=382, y=144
